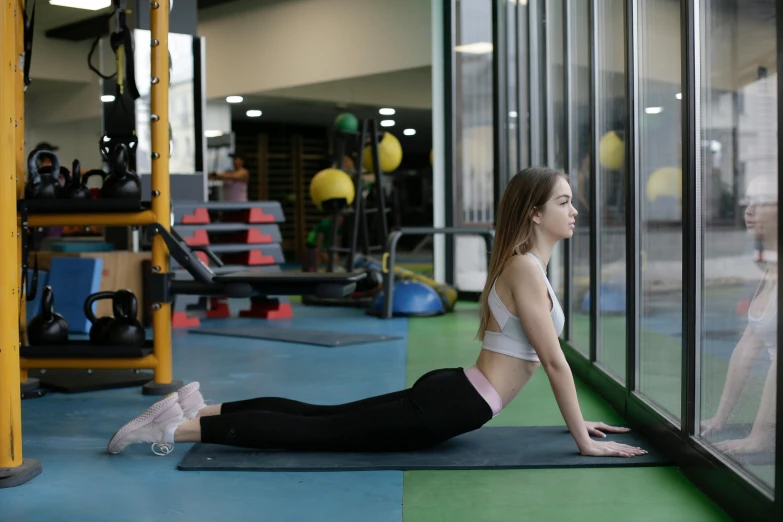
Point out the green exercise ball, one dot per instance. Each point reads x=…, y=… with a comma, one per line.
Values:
x=332, y=189
x=611, y=151
x=346, y=122
x=389, y=153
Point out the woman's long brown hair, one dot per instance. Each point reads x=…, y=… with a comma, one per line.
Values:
x=527, y=190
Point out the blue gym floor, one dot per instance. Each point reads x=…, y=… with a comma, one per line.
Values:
x=68, y=433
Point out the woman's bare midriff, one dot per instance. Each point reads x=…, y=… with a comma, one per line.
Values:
x=508, y=375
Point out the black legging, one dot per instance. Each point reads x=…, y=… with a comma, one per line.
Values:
x=440, y=405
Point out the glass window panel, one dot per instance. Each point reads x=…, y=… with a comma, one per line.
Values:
x=612, y=177
x=556, y=126
x=579, y=163
x=660, y=206
x=739, y=191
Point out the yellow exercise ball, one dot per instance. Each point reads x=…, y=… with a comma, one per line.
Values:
x=389, y=153
x=611, y=151
x=332, y=189
x=666, y=181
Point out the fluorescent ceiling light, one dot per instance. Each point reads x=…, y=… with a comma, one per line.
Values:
x=387, y=123
x=107, y=98
x=513, y=114
x=90, y=5
x=475, y=48
x=409, y=132
x=213, y=133
x=253, y=113
x=678, y=96
x=653, y=110
x=234, y=99
x=387, y=112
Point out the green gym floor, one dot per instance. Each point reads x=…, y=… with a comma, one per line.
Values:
x=68, y=434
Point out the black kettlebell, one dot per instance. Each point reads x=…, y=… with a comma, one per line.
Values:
x=125, y=330
x=48, y=327
x=42, y=183
x=75, y=187
x=121, y=183
x=98, y=328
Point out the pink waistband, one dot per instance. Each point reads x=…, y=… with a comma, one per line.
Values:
x=485, y=389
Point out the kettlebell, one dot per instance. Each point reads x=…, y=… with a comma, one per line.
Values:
x=121, y=183
x=75, y=187
x=98, y=328
x=48, y=327
x=125, y=330
x=42, y=183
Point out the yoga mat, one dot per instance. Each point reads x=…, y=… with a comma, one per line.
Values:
x=296, y=335
x=485, y=448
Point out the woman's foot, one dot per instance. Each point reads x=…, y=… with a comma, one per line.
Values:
x=190, y=400
x=152, y=426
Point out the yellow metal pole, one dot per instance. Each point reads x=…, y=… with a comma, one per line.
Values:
x=10, y=400
x=161, y=196
x=14, y=470
x=20, y=166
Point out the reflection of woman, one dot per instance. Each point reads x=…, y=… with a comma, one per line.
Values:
x=761, y=218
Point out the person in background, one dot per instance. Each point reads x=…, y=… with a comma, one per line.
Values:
x=235, y=181
x=318, y=242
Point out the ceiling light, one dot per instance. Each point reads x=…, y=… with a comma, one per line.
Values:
x=653, y=110
x=513, y=114
x=107, y=98
x=387, y=112
x=409, y=132
x=678, y=96
x=234, y=99
x=213, y=133
x=253, y=113
x=475, y=48
x=387, y=123
x=90, y=5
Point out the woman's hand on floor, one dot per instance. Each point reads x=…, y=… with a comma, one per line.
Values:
x=597, y=429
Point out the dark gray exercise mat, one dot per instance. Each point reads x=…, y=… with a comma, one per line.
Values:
x=296, y=335
x=486, y=448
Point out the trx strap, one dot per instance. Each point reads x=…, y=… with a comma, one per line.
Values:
x=29, y=24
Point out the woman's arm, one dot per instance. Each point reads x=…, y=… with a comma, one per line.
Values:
x=742, y=358
x=533, y=307
x=531, y=299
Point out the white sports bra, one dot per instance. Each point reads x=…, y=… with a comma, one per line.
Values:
x=512, y=340
x=766, y=326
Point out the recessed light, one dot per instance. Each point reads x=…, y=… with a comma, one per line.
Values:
x=475, y=48
x=387, y=123
x=107, y=98
x=678, y=96
x=234, y=99
x=409, y=132
x=513, y=114
x=387, y=112
x=253, y=113
x=213, y=133
x=653, y=110
x=89, y=5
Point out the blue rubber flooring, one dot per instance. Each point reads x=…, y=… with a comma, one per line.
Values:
x=68, y=433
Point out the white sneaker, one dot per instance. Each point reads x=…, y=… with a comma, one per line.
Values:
x=190, y=400
x=150, y=427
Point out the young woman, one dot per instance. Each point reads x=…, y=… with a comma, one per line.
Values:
x=521, y=320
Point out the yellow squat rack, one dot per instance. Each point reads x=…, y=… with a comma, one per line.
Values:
x=14, y=469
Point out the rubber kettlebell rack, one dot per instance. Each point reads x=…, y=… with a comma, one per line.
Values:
x=17, y=360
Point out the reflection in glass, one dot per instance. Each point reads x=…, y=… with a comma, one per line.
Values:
x=579, y=163
x=660, y=204
x=556, y=127
x=739, y=189
x=611, y=174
